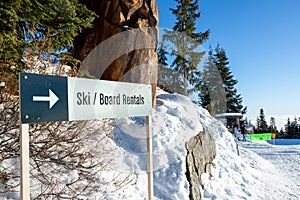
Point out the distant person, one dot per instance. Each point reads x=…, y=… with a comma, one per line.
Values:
x=243, y=131
x=235, y=130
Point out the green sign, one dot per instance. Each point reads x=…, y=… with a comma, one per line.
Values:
x=261, y=136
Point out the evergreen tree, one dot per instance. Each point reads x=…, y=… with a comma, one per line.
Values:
x=215, y=79
x=288, y=128
x=42, y=27
x=281, y=133
x=292, y=129
x=167, y=78
x=262, y=126
x=233, y=99
x=210, y=87
x=297, y=134
x=162, y=55
x=32, y=23
x=162, y=76
x=186, y=41
x=202, y=85
x=11, y=33
x=272, y=126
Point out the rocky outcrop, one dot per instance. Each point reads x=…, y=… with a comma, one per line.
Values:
x=201, y=153
x=122, y=44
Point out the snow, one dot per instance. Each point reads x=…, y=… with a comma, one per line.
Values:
x=262, y=170
x=285, y=155
x=173, y=124
x=258, y=172
x=38, y=65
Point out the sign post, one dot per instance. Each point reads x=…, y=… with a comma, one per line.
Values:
x=25, y=181
x=45, y=98
x=149, y=158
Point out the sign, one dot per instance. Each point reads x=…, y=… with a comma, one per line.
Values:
x=47, y=98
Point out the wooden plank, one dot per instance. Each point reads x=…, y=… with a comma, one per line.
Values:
x=25, y=181
x=149, y=158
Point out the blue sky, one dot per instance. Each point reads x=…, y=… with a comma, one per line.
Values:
x=262, y=41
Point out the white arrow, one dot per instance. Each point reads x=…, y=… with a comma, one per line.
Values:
x=52, y=98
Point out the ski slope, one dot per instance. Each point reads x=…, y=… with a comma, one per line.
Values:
x=284, y=154
x=260, y=171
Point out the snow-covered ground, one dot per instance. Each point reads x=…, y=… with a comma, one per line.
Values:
x=261, y=170
x=284, y=155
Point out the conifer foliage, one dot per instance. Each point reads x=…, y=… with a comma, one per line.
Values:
x=167, y=79
x=272, y=126
x=292, y=129
x=210, y=86
x=233, y=99
x=261, y=123
x=217, y=77
x=45, y=28
x=186, y=41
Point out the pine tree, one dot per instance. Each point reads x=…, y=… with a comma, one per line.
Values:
x=288, y=128
x=45, y=28
x=216, y=80
x=202, y=85
x=11, y=34
x=167, y=78
x=272, y=126
x=233, y=99
x=162, y=55
x=210, y=86
x=297, y=134
x=281, y=133
x=293, y=129
x=262, y=126
x=186, y=40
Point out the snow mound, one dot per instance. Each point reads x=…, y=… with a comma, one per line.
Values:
x=243, y=176
x=175, y=120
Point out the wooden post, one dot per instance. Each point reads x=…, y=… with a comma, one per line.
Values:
x=24, y=162
x=149, y=158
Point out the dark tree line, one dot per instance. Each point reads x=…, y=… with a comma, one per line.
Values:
x=291, y=129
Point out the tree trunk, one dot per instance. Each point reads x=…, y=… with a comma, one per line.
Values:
x=122, y=44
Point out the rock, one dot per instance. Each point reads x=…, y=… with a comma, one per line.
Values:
x=122, y=45
x=201, y=153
